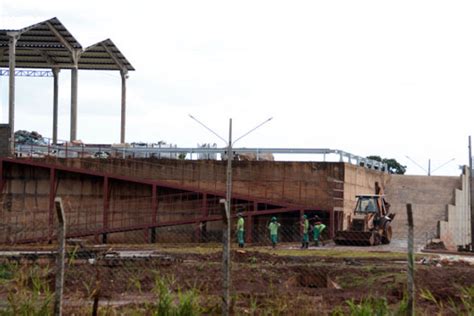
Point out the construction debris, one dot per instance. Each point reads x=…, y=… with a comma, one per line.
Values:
x=23, y=137
x=436, y=244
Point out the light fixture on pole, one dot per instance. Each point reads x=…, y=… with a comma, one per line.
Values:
x=429, y=171
x=226, y=216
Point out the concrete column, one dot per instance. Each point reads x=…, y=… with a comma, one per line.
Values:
x=124, y=76
x=55, y=105
x=11, y=95
x=73, y=134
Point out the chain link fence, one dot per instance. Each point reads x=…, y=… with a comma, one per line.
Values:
x=120, y=262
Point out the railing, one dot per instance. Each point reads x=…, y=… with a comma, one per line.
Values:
x=68, y=150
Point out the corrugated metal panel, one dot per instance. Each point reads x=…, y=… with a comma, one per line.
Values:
x=39, y=47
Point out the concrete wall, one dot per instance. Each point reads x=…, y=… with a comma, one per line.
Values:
x=4, y=140
x=456, y=229
x=320, y=186
x=307, y=183
x=429, y=197
x=25, y=204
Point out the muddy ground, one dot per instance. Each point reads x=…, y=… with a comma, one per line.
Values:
x=312, y=283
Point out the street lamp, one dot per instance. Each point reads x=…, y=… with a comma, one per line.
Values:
x=226, y=229
x=429, y=171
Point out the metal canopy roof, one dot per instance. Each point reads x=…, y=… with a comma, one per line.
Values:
x=49, y=44
x=104, y=56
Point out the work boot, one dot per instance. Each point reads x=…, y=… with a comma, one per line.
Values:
x=307, y=245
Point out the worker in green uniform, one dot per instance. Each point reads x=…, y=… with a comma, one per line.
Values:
x=273, y=227
x=305, y=228
x=240, y=230
x=317, y=231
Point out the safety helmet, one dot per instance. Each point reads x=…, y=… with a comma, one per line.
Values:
x=274, y=219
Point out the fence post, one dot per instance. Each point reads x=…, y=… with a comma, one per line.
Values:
x=58, y=292
x=411, y=263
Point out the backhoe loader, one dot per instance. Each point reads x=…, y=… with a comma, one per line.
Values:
x=369, y=223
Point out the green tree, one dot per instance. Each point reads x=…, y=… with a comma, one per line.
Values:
x=393, y=165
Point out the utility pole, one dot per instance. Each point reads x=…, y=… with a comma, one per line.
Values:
x=226, y=263
x=471, y=192
x=226, y=238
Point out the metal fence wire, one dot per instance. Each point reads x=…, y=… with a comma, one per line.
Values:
x=141, y=249
x=180, y=273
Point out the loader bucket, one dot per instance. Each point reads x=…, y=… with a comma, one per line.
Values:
x=356, y=238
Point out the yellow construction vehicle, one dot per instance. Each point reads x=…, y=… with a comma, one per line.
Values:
x=370, y=222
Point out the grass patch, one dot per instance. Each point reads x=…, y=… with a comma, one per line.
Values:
x=335, y=253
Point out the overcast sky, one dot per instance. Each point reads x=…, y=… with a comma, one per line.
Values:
x=388, y=78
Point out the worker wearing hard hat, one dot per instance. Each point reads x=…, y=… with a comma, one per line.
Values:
x=273, y=227
x=240, y=230
x=317, y=231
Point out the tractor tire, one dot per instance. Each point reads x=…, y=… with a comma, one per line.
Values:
x=387, y=234
x=374, y=239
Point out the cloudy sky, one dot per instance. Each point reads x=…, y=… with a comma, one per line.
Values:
x=388, y=78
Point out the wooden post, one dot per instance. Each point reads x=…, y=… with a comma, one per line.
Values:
x=58, y=292
x=411, y=265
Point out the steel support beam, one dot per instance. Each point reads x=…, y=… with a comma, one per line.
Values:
x=154, y=212
x=26, y=73
x=60, y=37
x=161, y=224
x=46, y=57
x=106, y=207
x=249, y=224
x=52, y=195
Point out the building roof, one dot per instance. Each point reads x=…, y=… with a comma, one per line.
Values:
x=104, y=56
x=49, y=44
